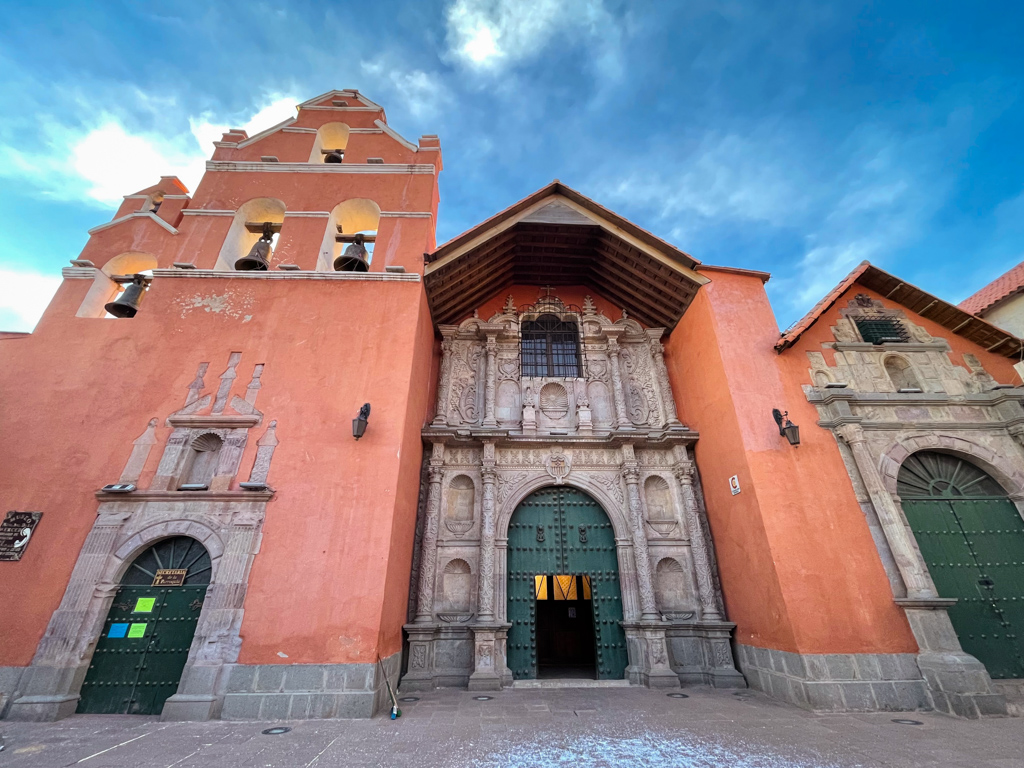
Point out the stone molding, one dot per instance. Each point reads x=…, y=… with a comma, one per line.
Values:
x=245, y=166
x=381, y=277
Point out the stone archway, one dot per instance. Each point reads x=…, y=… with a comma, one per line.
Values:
x=140, y=656
x=564, y=600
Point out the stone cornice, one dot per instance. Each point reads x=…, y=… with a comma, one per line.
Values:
x=385, y=277
x=939, y=345
x=180, y=496
x=827, y=396
x=255, y=167
x=220, y=421
x=508, y=439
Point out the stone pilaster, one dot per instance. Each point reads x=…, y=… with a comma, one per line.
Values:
x=648, y=607
x=140, y=453
x=490, y=383
x=441, y=412
x=428, y=561
x=664, y=386
x=621, y=418
x=487, y=523
x=901, y=540
x=698, y=546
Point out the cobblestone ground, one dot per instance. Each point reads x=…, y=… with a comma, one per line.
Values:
x=534, y=728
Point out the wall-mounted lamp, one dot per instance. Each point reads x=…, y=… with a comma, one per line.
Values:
x=787, y=428
x=359, y=423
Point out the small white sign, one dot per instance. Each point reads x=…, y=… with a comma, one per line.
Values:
x=734, y=484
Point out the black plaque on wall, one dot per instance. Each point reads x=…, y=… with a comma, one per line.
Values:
x=15, y=532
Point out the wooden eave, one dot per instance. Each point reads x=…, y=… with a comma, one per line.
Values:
x=922, y=303
x=573, y=242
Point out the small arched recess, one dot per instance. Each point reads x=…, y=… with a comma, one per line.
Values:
x=240, y=239
x=104, y=289
x=352, y=217
x=329, y=137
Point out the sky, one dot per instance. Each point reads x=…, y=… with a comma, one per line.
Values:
x=798, y=138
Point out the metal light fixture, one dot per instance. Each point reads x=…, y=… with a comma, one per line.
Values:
x=359, y=423
x=787, y=428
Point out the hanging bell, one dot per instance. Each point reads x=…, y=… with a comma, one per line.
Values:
x=258, y=258
x=127, y=304
x=334, y=156
x=354, y=259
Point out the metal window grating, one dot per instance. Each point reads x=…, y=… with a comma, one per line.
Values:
x=881, y=330
x=550, y=347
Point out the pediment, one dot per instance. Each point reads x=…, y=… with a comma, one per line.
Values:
x=559, y=237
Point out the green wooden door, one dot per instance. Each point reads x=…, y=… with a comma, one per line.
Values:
x=562, y=530
x=148, y=631
x=972, y=538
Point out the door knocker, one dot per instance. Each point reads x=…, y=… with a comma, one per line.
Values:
x=583, y=534
x=540, y=533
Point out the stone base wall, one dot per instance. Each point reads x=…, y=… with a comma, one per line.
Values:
x=9, y=679
x=308, y=691
x=863, y=682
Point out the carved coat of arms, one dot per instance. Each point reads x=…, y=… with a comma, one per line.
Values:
x=558, y=466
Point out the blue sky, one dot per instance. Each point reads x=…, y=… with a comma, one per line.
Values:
x=797, y=137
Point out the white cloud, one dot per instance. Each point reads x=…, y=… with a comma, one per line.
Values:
x=489, y=34
x=23, y=297
x=108, y=160
x=423, y=94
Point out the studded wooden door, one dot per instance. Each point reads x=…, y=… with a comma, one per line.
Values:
x=972, y=538
x=148, y=631
x=561, y=530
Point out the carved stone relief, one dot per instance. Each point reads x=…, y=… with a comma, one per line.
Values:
x=460, y=505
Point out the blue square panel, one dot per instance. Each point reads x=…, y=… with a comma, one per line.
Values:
x=118, y=630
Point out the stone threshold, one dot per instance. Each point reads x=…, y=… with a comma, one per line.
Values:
x=568, y=683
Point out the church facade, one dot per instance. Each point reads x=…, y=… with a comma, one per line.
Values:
x=271, y=448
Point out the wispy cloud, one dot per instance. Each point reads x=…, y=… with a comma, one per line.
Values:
x=489, y=35
x=421, y=94
x=104, y=159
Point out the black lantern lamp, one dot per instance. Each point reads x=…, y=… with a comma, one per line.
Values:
x=787, y=428
x=359, y=422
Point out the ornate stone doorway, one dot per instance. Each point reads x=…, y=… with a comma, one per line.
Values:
x=145, y=640
x=564, y=598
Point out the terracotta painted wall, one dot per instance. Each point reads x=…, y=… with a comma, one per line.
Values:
x=320, y=590
x=799, y=569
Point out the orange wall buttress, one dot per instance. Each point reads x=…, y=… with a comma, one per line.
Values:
x=798, y=565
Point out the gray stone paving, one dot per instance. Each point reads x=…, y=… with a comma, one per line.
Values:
x=531, y=728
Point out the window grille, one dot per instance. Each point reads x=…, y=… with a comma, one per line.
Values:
x=882, y=330
x=550, y=347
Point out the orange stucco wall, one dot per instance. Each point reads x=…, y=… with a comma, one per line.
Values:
x=799, y=568
x=332, y=573
x=330, y=582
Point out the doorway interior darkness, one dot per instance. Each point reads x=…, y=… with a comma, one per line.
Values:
x=145, y=641
x=564, y=600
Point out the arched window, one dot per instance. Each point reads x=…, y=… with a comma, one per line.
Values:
x=901, y=374
x=357, y=216
x=330, y=144
x=202, y=462
x=247, y=228
x=551, y=347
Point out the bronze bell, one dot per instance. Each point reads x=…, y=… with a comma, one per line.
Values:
x=334, y=156
x=258, y=258
x=127, y=304
x=354, y=259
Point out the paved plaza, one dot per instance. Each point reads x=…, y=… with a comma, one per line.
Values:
x=525, y=728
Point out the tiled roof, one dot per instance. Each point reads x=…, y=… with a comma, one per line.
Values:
x=1005, y=285
x=956, y=319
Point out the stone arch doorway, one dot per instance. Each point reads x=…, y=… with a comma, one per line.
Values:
x=972, y=538
x=564, y=599
x=146, y=637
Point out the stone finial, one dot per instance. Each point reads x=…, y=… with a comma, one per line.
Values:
x=509, y=307
x=589, y=308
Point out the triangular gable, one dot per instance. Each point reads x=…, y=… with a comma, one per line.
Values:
x=354, y=98
x=949, y=316
x=557, y=236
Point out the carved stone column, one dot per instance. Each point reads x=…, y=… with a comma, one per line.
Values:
x=648, y=606
x=487, y=525
x=441, y=414
x=901, y=540
x=698, y=543
x=490, y=383
x=661, y=375
x=622, y=420
x=428, y=558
